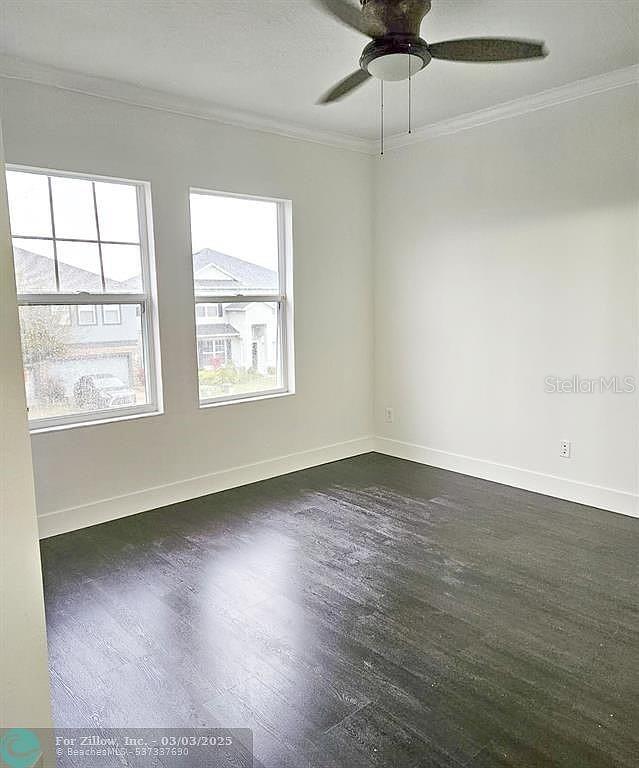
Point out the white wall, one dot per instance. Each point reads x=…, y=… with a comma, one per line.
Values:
x=333, y=301
x=505, y=254
x=24, y=692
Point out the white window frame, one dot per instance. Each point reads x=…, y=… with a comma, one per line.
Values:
x=146, y=300
x=283, y=299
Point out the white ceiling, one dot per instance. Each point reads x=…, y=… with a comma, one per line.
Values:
x=275, y=57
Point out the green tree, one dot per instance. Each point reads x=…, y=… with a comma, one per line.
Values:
x=42, y=337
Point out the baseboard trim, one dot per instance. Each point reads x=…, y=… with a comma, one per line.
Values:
x=610, y=499
x=104, y=510
x=74, y=518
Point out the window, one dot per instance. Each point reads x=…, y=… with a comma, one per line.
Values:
x=111, y=314
x=81, y=254
x=210, y=310
x=87, y=315
x=220, y=349
x=241, y=261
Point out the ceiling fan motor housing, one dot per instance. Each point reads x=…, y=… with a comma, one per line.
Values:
x=389, y=57
x=394, y=17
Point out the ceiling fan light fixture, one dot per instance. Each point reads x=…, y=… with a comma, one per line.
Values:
x=388, y=58
x=394, y=66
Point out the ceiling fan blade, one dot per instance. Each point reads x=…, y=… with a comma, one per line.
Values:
x=345, y=86
x=347, y=13
x=488, y=49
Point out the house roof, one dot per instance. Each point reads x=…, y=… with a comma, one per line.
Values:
x=230, y=273
x=216, y=329
x=35, y=272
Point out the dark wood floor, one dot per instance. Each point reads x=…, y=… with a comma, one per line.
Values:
x=370, y=612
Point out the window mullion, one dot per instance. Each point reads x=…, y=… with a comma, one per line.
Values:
x=55, y=247
x=97, y=229
x=75, y=240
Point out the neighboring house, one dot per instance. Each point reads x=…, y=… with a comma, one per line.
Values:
x=106, y=340
x=244, y=334
x=96, y=340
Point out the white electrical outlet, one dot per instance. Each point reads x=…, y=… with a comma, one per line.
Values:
x=564, y=449
x=388, y=415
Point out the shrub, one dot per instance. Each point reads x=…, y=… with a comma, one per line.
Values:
x=229, y=374
x=52, y=390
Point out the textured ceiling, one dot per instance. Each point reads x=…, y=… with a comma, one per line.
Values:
x=275, y=57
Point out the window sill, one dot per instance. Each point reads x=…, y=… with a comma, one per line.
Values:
x=40, y=430
x=248, y=399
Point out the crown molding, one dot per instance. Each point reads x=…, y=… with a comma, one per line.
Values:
x=13, y=68
x=579, y=89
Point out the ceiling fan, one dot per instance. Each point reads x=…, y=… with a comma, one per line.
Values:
x=397, y=52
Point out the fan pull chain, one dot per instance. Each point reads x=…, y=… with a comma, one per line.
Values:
x=410, y=93
x=382, y=118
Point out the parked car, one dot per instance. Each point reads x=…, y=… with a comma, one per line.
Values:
x=102, y=390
